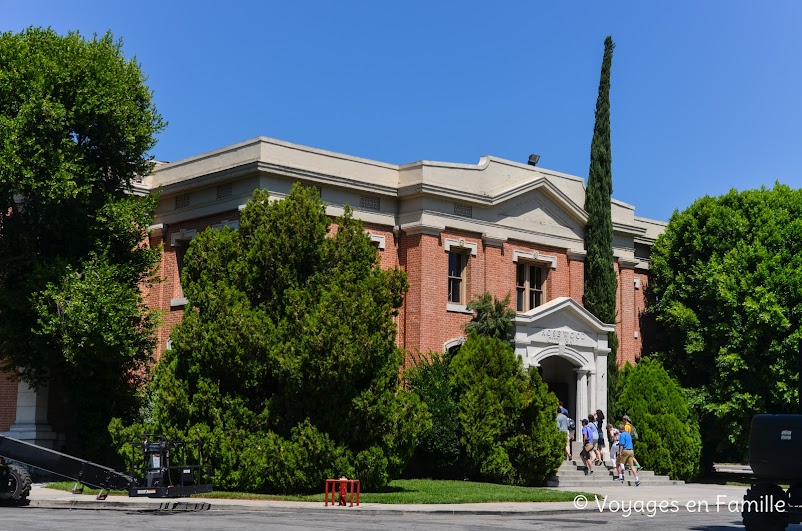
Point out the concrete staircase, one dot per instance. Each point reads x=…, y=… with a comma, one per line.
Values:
x=572, y=474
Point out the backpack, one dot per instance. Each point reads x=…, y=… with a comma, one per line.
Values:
x=571, y=424
x=634, y=433
x=595, y=431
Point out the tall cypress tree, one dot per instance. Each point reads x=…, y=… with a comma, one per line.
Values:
x=600, y=278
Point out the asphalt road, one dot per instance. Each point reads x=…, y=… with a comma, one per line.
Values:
x=88, y=519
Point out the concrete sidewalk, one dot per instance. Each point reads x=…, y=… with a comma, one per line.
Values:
x=686, y=497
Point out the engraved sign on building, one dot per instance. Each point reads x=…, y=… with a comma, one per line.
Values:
x=563, y=336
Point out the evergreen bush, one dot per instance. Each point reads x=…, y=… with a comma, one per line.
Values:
x=669, y=440
x=439, y=452
x=285, y=362
x=506, y=415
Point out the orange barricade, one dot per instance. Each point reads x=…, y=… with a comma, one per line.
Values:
x=340, y=485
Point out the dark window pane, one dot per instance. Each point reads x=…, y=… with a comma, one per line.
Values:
x=521, y=274
x=455, y=264
x=520, y=299
x=454, y=285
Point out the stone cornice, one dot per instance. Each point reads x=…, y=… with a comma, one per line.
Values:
x=627, y=263
x=324, y=178
x=412, y=229
x=421, y=188
x=157, y=229
x=625, y=228
x=492, y=240
x=460, y=243
x=534, y=256
x=576, y=254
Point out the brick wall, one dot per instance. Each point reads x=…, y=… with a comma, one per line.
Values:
x=159, y=295
x=625, y=322
x=8, y=401
x=424, y=324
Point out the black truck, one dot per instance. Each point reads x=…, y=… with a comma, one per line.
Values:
x=166, y=469
x=775, y=442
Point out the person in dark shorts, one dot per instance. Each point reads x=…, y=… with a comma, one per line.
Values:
x=587, y=448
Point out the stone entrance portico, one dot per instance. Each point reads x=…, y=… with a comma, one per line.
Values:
x=569, y=346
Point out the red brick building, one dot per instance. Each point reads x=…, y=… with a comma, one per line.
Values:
x=458, y=230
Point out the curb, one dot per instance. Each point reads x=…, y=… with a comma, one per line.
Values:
x=87, y=505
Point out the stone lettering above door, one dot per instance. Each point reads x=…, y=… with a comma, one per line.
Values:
x=566, y=337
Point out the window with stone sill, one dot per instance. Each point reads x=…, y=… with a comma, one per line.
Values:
x=457, y=265
x=530, y=286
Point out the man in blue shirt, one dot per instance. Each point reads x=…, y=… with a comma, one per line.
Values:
x=626, y=455
x=562, y=425
x=590, y=443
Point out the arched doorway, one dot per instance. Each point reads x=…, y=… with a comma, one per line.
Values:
x=569, y=347
x=558, y=373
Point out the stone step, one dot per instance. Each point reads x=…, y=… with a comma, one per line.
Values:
x=599, y=469
x=591, y=483
x=573, y=474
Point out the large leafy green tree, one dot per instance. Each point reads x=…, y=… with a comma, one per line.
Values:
x=286, y=364
x=76, y=125
x=601, y=285
x=669, y=440
x=727, y=283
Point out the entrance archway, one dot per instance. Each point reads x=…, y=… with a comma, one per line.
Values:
x=558, y=374
x=569, y=346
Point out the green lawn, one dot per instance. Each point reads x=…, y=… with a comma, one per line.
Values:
x=404, y=491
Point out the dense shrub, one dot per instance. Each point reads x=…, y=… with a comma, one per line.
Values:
x=669, y=440
x=506, y=415
x=438, y=454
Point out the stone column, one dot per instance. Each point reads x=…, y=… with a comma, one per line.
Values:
x=601, y=384
x=593, y=379
x=31, y=420
x=581, y=407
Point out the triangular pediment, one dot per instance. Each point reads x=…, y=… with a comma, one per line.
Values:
x=561, y=321
x=537, y=210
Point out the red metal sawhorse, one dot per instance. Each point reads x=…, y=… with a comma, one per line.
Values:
x=335, y=485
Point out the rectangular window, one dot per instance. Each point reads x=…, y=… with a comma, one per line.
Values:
x=456, y=277
x=528, y=287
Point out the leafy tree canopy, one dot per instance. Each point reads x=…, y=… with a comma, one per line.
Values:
x=286, y=365
x=493, y=318
x=76, y=124
x=727, y=297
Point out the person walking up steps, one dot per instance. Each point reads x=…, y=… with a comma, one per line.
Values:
x=588, y=441
x=626, y=456
x=596, y=452
x=562, y=425
x=612, y=436
x=600, y=425
x=630, y=429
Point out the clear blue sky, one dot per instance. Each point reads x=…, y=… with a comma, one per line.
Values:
x=705, y=95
